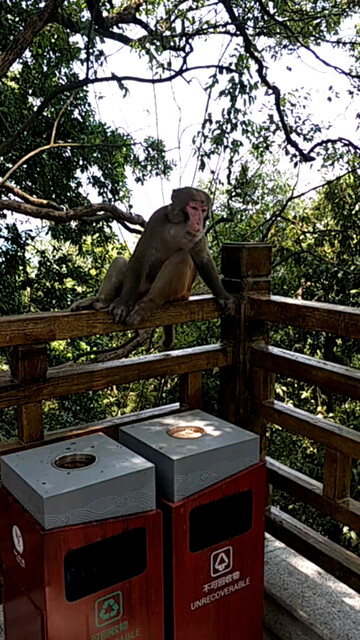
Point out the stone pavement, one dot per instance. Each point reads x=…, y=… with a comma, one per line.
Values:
x=303, y=602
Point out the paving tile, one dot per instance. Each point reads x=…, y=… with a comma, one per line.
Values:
x=330, y=609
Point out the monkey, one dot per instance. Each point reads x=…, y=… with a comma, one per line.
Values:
x=163, y=266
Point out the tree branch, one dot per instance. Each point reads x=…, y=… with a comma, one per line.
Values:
x=269, y=223
x=273, y=88
x=283, y=25
x=54, y=145
x=344, y=141
x=82, y=84
x=23, y=39
x=85, y=213
x=140, y=337
x=28, y=198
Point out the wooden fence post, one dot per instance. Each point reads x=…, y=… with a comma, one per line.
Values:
x=337, y=475
x=246, y=269
x=190, y=390
x=28, y=365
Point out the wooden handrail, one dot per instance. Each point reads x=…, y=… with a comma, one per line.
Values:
x=341, y=444
x=34, y=328
x=95, y=376
x=305, y=489
x=305, y=424
x=326, y=375
x=109, y=426
x=339, y=562
x=313, y=316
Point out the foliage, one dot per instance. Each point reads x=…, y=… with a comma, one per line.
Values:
x=315, y=251
x=53, y=146
x=57, y=156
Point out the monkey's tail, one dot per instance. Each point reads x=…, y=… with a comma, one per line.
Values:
x=169, y=336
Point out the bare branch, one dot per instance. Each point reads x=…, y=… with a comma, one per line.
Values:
x=52, y=145
x=107, y=217
x=279, y=214
x=27, y=198
x=46, y=147
x=23, y=39
x=55, y=145
x=78, y=213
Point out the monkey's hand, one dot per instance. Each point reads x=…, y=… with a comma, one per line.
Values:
x=84, y=304
x=227, y=304
x=120, y=310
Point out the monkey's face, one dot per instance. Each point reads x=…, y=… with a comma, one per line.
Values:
x=191, y=206
x=197, y=213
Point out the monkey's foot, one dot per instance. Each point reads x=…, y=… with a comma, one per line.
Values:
x=140, y=312
x=99, y=304
x=119, y=311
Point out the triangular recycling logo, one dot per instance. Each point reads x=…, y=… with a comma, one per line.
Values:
x=108, y=609
x=221, y=561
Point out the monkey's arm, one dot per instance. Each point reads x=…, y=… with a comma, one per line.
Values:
x=207, y=271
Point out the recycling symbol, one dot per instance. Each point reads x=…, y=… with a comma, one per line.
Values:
x=221, y=561
x=108, y=609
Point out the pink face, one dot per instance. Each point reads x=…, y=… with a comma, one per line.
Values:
x=197, y=212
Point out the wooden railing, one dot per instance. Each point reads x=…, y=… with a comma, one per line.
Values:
x=341, y=444
x=247, y=366
x=29, y=382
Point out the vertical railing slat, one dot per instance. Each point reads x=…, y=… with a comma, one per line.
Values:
x=28, y=365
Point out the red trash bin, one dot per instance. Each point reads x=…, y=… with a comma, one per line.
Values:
x=87, y=581
x=211, y=489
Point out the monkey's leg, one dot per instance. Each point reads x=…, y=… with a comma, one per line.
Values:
x=173, y=282
x=109, y=289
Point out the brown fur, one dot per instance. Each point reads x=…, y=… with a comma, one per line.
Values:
x=164, y=263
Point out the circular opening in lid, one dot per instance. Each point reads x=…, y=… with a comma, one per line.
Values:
x=71, y=461
x=186, y=432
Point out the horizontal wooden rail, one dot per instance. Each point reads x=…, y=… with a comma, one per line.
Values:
x=109, y=426
x=305, y=424
x=339, y=562
x=314, y=316
x=61, y=325
x=326, y=375
x=307, y=490
x=93, y=377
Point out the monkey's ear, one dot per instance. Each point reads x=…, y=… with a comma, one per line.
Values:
x=175, y=213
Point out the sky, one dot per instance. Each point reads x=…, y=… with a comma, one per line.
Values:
x=175, y=111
